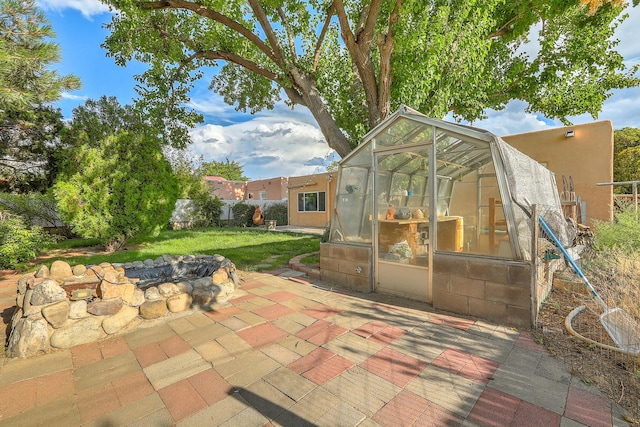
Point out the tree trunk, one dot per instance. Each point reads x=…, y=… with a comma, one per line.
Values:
x=313, y=101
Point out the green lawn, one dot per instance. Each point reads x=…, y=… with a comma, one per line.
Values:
x=245, y=247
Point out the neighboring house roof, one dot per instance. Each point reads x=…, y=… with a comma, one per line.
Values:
x=214, y=178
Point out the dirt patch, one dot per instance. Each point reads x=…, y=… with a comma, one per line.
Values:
x=615, y=374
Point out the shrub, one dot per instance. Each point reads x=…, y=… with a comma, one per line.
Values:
x=19, y=244
x=208, y=210
x=122, y=188
x=623, y=232
x=279, y=212
x=243, y=214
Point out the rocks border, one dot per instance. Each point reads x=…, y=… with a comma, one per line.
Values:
x=65, y=306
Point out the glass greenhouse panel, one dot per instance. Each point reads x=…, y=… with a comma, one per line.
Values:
x=352, y=214
x=402, y=132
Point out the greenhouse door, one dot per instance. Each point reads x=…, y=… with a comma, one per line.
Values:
x=402, y=250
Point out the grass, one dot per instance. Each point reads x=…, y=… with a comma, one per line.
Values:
x=245, y=247
x=311, y=259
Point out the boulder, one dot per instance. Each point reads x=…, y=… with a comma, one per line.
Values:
x=153, y=309
x=138, y=298
x=60, y=270
x=79, y=270
x=108, y=289
x=29, y=337
x=168, y=289
x=178, y=303
x=56, y=314
x=118, y=321
x=47, y=292
x=105, y=307
x=185, y=287
x=78, y=309
x=77, y=332
x=43, y=272
x=126, y=291
x=220, y=277
x=152, y=294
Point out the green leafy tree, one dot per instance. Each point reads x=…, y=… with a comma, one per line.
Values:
x=29, y=148
x=123, y=188
x=626, y=158
x=26, y=55
x=352, y=63
x=28, y=126
x=229, y=169
x=20, y=243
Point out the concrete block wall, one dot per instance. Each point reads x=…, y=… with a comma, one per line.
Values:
x=496, y=290
x=346, y=265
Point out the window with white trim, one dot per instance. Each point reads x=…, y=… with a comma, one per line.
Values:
x=312, y=201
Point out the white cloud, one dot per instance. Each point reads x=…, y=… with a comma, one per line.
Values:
x=88, y=8
x=267, y=147
x=67, y=95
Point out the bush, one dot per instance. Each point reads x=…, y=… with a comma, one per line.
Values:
x=122, y=188
x=20, y=244
x=279, y=212
x=208, y=211
x=623, y=232
x=243, y=214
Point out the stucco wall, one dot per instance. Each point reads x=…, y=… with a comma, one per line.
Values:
x=310, y=183
x=587, y=157
x=276, y=188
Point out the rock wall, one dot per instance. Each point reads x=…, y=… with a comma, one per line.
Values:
x=64, y=306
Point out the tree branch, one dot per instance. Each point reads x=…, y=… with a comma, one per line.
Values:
x=290, y=35
x=213, y=15
x=323, y=32
x=505, y=28
x=360, y=51
x=268, y=31
x=386, y=45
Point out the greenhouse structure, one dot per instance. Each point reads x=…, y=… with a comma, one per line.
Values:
x=445, y=214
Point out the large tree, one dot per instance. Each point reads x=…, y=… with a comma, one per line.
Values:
x=28, y=125
x=229, y=169
x=123, y=188
x=352, y=62
x=626, y=158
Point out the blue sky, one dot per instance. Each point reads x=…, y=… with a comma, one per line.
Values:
x=280, y=142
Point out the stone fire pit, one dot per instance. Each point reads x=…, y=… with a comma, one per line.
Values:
x=65, y=306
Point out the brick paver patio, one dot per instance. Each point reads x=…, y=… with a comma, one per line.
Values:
x=289, y=353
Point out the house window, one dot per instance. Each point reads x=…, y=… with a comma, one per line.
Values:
x=263, y=195
x=311, y=202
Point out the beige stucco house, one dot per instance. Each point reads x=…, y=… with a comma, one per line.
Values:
x=584, y=153
x=311, y=199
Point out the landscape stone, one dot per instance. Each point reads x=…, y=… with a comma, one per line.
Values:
x=19, y=300
x=105, y=307
x=78, y=309
x=126, y=291
x=60, y=269
x=178, y=303
x=153, y=309
x=79, y=270
x=218, y=258
x=77, y=332
x=118, y=321
x=138, y=298
x=23, y=284
x=95, y=270
x=168, y=289
x=43, y=272
x=29, y=337
x=185, y=287
x=107, y=290
x=56, y=314
x=151, y=294
x=47, y=292
x=220, y=277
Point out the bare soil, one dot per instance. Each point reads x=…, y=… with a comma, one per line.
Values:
x=615, y=374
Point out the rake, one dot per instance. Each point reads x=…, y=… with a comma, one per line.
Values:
x=621, y=327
